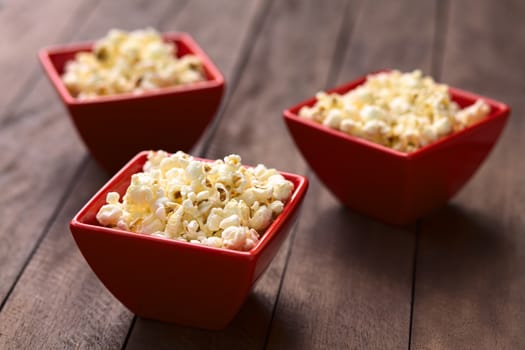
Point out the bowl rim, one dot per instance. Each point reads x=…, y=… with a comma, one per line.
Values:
x=298, y=194
x=45, y=54
x=499, y=110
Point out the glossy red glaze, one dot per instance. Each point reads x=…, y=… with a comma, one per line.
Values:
x=167, y=280
x=389, y=185
x=116, y=127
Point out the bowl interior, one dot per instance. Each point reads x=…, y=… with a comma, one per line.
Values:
x=54, y=60
x=461, y=97
x=144, y=272
x=86, y=218
x=389, y=185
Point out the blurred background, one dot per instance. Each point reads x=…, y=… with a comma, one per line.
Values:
x=452, y=280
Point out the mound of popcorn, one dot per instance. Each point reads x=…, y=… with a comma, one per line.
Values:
x=220, y=204
x=129, y=62
x=404, y=111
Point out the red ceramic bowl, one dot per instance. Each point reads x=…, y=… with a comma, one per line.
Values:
x=386, y=184
x=116, y=127
x=168, y=280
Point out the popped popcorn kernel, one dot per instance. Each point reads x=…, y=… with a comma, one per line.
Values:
x=219, y=204
x=132, y=61
x=403, y=111
x=111, y=212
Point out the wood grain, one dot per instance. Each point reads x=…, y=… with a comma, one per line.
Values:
x=25, y=28
x=26, y=173
x=348, y=282
x=470, y=263
x=341, y=280
x=291, y=58
x=98, y=320
x=269, y=83
x=58, y=301
x=94, y=24
x=41, y=150
x=228, y=42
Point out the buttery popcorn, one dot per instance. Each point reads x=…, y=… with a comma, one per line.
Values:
x=129, y=62
x=404, y=111
x=219, y=204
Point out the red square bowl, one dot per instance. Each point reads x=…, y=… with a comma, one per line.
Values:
x=168, y=280
x=392, y=186
x=116, y=127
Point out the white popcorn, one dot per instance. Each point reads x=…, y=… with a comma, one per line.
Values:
x=369, y=113
x=442, y=126
x=351, y=127
x=262, y=218
x=282, y=189
x=404, y=111
x=129, y=62
x=473, y=113
x=151, y=224
x=110, y=213
x=232, y=220
x=219, y=204
x=212, y=242
x=333, y=119
x=174, y=225
x=239, y=238
x=375, y=130
x=214, y=220
x=399, y=105
x=276, y=207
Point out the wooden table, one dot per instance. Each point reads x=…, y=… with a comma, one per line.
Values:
x=454, y=280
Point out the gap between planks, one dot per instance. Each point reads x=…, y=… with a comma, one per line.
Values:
x=245, y=52
x=342, y=44
x=84, y=13
x=31, y=81
x=437, y=58
x=76, y=175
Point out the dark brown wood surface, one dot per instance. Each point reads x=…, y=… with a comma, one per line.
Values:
x=355, y=266
x=253, y=114
x=470, y=277
x=454, y=280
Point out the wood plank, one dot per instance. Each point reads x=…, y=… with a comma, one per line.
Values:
x=28, y=172
x=59, y=301
x=347, y=284
x=135, y=15
x=91, y=317
x=348, y=281
x=25, y=27
x=282, y=68
x=34, y=171
x=228, y=46
x=286, y=65
x=470, y=262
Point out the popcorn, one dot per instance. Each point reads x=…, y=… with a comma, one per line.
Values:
x=110, y=213
x=129, y=62
x=472, y=114
x=239, y=238
x=219, y=204
x=404, y=111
